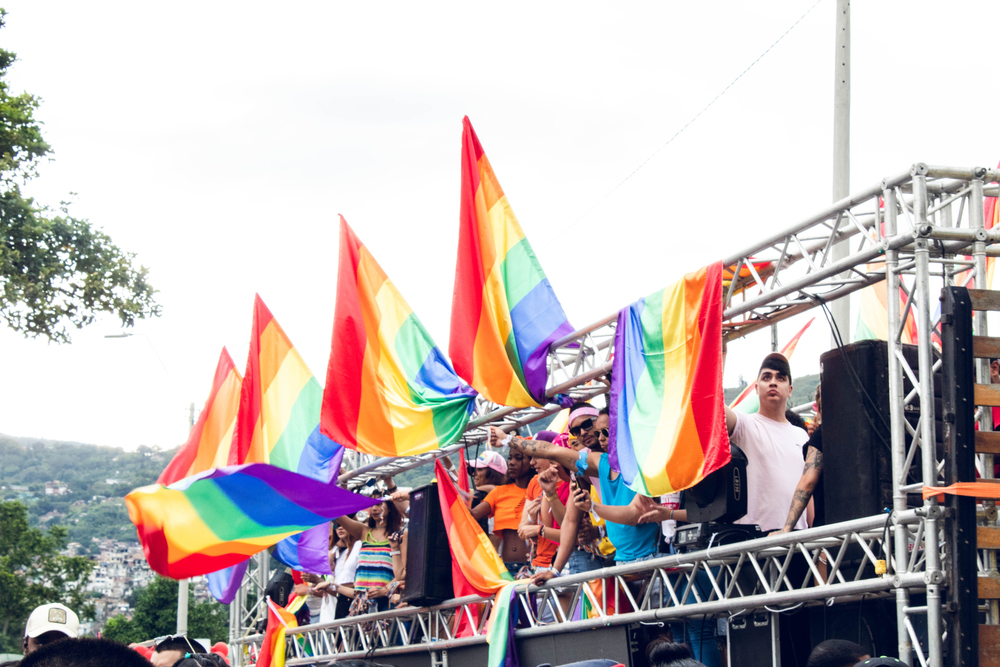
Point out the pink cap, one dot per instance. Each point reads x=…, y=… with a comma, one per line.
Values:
x=490, y=459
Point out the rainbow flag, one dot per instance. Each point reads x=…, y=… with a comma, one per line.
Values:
x=389, y=389
x=225, y=583
x=873, y=315
x=504, y=313
x=752, y=404
x=221, y=517
x=668, y=424
x=279, y=620
x=478, y=570
x=278, y=421
x=208, y=444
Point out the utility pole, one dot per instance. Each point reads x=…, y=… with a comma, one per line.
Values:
x=841, y=308
x=182, y=585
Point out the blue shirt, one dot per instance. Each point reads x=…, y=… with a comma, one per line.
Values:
x=631, y=542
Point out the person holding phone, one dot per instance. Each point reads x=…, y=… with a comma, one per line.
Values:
x=633, y=542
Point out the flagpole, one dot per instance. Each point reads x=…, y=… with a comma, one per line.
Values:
x=841, y=308
x=182, y=585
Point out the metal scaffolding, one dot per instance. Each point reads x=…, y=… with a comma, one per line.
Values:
x=920, y=230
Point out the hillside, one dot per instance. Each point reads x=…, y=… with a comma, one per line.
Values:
x=95, y=478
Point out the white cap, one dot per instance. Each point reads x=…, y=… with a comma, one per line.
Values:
x=49, y=617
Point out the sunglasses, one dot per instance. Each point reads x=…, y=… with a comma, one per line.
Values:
x=586, y=425
x=605, y=432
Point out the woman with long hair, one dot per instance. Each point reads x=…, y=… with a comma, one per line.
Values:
x=382, y=557
x=339, y=587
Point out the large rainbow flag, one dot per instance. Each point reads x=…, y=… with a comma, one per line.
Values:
x=748, y=402
x=221, y=517
x=478, y=570
x=668, y=423
x=208, y=444
x=504, y=313
x=389, y=389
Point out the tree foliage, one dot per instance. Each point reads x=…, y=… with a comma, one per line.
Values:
x=156, y=615
x=32, y=572
x=56, y=271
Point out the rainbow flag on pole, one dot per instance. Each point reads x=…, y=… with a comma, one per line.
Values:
x=208, y=444
x=478, y=570
x=221, y=517
x=504, y=313
x=668, y=424
x=389, y=389
x=278, y=421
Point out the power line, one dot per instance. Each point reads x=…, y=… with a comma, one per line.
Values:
x=690, y=122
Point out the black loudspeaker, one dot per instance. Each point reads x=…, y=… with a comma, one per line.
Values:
x=428, y=557
x=722, y=496
x=857, y=454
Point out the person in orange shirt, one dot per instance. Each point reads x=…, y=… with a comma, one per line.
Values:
x=538, y=525
x=506, y=504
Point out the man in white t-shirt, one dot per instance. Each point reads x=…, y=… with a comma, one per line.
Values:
x=773, y=448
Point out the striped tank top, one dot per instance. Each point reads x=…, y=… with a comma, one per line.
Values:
x=374, y=564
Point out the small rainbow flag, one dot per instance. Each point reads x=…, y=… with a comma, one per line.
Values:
x=221, y=517
x=752, y=404
x=668, y=424
x=279, y=621
x=504, y=313
x=873, y=315
x=478, y=570
x=278, y=421
x=389, y=389
x=208, y=444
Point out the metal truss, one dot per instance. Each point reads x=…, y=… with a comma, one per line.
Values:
x=920, y=230
x=816, y=566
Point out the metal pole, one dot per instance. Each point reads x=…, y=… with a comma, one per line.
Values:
x=928, y=449
x=897, y=432
x=774, y=337
x=841, y=308
x=977, y=221
x=182, y=585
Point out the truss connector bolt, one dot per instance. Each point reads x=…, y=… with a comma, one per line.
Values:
x=979, y=172
x=931, y=512
x=919, y=169
x=981, y=235
x=925, y=229
x=934, y=577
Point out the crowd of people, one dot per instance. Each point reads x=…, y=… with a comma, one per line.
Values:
x=554, y=506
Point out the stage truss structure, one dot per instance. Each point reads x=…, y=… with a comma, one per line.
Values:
x=919, y=231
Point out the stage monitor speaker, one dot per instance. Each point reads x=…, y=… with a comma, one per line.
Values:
x=428, y=557
x=722, y=496
x=857, y=456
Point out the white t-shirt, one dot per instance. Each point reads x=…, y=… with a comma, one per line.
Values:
x=774, y=468
x=344, y=568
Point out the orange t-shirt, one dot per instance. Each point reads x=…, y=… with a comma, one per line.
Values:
x=547, y=549
x=507, y=503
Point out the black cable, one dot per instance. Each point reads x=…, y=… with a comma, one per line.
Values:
x=838, y=339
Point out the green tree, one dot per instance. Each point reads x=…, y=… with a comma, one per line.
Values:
x=32, y=572
x=56, y=271
x=156, y=615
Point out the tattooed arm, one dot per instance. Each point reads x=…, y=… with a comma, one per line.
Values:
x=545, y=450
x=803, y=492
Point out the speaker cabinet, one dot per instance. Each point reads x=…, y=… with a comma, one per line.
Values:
x=428, y=557
x=857, y=456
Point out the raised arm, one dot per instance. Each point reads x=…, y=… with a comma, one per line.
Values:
x=355, y=528
x=730, y=419
x=803, y=492
x=543, y=450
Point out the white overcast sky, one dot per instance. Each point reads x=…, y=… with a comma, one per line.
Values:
x=219, y=140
